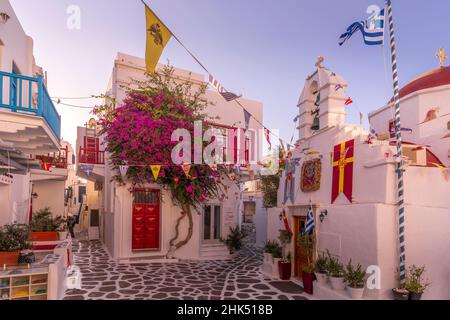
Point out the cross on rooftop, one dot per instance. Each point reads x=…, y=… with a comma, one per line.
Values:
x=442, y=57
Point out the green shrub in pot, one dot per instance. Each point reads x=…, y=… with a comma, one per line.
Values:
x=14, y=237
x=336, y=272
x=415, y=284
x=13, y=240
x=354, y=277
x=320, y=268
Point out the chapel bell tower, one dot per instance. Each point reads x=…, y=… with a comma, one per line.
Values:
x=322, y=102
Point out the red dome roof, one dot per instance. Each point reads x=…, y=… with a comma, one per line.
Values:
x=435, y=78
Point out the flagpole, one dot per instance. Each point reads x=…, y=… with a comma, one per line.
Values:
x=399, y=165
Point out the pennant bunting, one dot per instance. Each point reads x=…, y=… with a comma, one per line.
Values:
x=186, y=169
x=282, y=146
x=87, y=169
x=228, y=96
x=286, y=222
x=349, y=101
x=343, y=160
x=155, y=171
x=158, y=35
x=267, y=134
x=247, y=117
x=123, y=170
x=289, y=182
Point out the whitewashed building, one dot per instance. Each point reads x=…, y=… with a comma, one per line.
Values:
x=117, y=204
x=356, y=217
x=30, y=126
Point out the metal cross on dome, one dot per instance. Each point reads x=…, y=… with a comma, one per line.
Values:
x=442, y=57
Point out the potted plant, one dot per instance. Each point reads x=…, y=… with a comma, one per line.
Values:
x=234, y=239
x=277, y=255
x=13, y=239
x=400, y=293
x=415, y=284
x=62, y=227
x=268, y=249
x=285, y=265
x=354, y=277
x=307, y=242
x=44, y=227
x=320, y=268
x=336, y=273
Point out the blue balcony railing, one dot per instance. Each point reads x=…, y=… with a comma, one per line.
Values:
x=28, y=95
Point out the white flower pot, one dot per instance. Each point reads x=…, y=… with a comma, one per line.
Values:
x=275, y=272
x=337, y=283
x=62, y=235
x=267, y=257
x=322, y=278
x=356, y=293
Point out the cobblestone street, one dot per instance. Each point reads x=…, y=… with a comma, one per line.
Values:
x=237, y=278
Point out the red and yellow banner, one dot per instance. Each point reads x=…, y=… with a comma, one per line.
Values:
x=343, y=160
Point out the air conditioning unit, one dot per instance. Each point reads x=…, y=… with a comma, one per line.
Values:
x=417, y=155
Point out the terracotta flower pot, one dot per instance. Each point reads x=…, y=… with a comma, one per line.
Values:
x=308, y=279
x=44, y=236
x=285, y=270
x=415, y=296
x=9, y=258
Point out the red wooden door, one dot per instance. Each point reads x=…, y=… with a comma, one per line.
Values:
x=146, y=220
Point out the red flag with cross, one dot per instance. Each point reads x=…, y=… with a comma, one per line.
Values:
x=343, y=160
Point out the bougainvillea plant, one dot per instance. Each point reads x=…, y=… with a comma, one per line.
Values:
x=138, y=134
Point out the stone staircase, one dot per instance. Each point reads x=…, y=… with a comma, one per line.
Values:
x=217, y=251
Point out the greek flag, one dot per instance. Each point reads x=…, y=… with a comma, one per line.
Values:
x=309, y=225
x=372, y=30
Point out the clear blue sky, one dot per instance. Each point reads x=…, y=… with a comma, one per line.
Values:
x=260, y=48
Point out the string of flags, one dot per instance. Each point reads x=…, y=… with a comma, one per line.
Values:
x=158, y=35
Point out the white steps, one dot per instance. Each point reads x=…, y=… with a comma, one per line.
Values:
x=214, y=252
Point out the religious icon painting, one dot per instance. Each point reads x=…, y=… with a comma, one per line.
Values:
x=311, y=175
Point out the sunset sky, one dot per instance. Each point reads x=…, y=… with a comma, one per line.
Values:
x=262, y=49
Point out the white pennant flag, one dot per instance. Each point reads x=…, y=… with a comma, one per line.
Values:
x=123, y=170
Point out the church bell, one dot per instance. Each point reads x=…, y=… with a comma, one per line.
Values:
x=316, y=124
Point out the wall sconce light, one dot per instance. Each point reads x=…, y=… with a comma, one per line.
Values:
x=34, y=195
x=323, y=214
x=4, y=18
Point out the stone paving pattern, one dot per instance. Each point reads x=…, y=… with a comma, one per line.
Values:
x=236, y=279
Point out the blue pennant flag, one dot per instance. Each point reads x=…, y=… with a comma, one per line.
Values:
x=372, y=30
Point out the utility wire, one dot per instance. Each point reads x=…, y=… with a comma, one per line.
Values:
x=207, y=71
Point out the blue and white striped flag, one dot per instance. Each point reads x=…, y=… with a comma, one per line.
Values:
x=372, y=30
x=309, y=225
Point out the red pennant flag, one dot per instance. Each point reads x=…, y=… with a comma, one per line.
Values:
x=343, y=160
x=286, y=222
x=349, y=101
x=267, y=133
